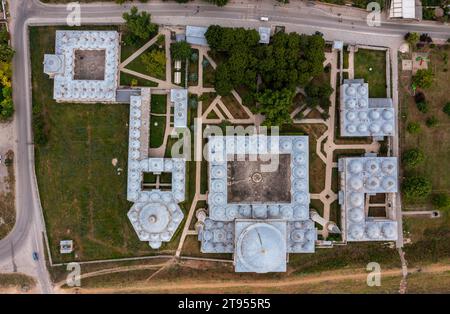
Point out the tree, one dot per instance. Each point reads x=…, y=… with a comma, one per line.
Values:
x=446, y=108
x=155, y=63
x=441, y=200
x=318, y=94
x=6, y=53
x=423, y=78
x=416, y=187
x=413, y=157
x=275, y=105
x=432, y=122
x=138, y=25
x=180, y=50
x=219, y=3
x=422, y=106
x=412, y=39
x=413, y=127
x=222, y=80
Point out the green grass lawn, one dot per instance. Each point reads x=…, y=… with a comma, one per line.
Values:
x=371, y=65
x=83, y=195
x=125, y=80
x=138, y=65
x=433, y=142
x=157, y=131
x=159, y=104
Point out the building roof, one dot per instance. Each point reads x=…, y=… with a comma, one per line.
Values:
x=179, y=98
x=264, y=35
x=403, y=9
x=155, y=215
x=282, y=227
x=361, y=116
x=66, y=88
x=363, y=176
x=195, y=35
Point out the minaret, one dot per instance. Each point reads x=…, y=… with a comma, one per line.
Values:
x=329, y=225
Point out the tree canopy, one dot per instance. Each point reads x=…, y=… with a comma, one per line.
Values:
x=413, y=157
x=139, y=25
x=180, y=50
x=274, y=105
x=416, y=187
x=423, y=78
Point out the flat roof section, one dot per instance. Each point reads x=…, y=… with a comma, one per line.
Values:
x=248, y=183
x=89, y=65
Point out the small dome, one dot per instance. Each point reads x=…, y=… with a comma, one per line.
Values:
x=350, y=103
x=218, y=185
x=374, y=128
x=351, y=115
x=362, y=103
x=362, y=90
x=260, y=211
x=388, y=183
x=355, y=183
x=362, y=128
x=207, y=235
x=301, y=212
x=299, y=145
x=232, y=212
x=388, y=166
x=298, y=235
x=356, y=215
x=286, y=212
x=300, y=197
x=357, y=199
x=388, y=128
x=373, y=230
x=356, y=166
x=356, y=231
x=299, y=185
x=351, y=128
x=351, y=91
x=286, y=144
x=245, y=211
x=299, y=158
x=299, y=172
x=373, y=183
x=218, y=172
x=372, y=166
x=219, y=199
x=362, y=115
x=388, y=230
x=218, y=212
x=374, y=114
x=387, y=114
x=274, y=211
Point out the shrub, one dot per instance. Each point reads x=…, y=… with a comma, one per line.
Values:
x=413, y=157
x=446, y=108
x=422, y=106
x=413, y=127
x=423, y=78
x=432, y=122
x=441, y=200
x=419, y=97
x=416, y=187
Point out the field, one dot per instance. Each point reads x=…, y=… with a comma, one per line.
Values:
x=7, y=197
x=371, y=65
x=434, y=142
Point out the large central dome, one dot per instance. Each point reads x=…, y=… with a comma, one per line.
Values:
x=261, y=248
x=154, y=217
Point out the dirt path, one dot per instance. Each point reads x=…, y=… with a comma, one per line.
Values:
x=303, y=280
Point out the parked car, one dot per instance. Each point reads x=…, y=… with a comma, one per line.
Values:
x=35, y=256
x=264, y=18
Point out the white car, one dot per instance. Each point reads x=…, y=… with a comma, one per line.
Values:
x=264, y=18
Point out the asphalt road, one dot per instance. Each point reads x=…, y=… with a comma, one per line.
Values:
x=26, y=236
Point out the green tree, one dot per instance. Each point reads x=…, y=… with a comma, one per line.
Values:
x=413, y=157
x=441, y=200
x=412, y=38
x=155, y=63
x=219, y=3
x=423, y=78
x=275, y=105
x=180, y=50
x=138, y=25
x=413, y=127
x=318, y=94
x=416, y=187
x=6, y=53
x=446, y=109
x=222, y=80
x=432, y=121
